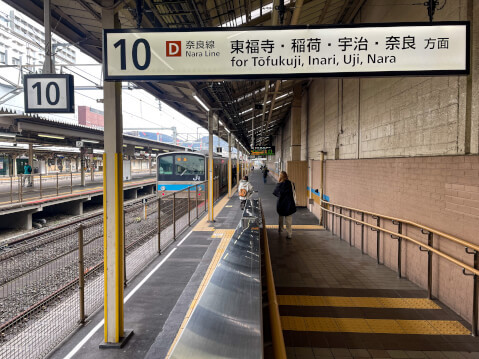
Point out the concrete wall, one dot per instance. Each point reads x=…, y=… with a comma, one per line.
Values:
x=404, y=147
x=395, y=116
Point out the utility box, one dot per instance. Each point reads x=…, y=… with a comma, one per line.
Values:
x=126, y=170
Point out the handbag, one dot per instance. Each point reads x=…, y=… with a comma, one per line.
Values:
x=294, y=192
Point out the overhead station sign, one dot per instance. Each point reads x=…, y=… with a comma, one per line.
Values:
x=219, y=53
x=263, y=151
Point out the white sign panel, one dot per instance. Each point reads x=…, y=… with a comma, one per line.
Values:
x=373, y=50
x=49, y=93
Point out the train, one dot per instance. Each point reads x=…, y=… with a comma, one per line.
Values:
x=179, y=170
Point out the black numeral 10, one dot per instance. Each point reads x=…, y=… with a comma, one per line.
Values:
x=56, y=96
x=134, y=53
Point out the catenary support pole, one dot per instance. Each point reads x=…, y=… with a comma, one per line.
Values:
x=48, y=67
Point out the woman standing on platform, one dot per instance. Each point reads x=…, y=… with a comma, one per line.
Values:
x=286, y=205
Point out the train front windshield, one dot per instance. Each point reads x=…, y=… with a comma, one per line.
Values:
x=181, y=167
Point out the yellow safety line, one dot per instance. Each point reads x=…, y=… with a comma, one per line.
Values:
x=385, y=326
x=203, y=224
x=357, y=302
x=226, y=235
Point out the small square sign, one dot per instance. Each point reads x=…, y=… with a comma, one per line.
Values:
x=48, y=93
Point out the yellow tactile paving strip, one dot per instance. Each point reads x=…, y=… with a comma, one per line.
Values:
x=297, y=226
x=225, y=235
x=357, y=302
x=205, y=226
x=384, y=326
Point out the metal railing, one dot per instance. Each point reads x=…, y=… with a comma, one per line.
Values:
x=429, y=244
x=51, y=282
x=37, y=186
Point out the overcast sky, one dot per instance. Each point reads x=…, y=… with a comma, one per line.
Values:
x=140, y=109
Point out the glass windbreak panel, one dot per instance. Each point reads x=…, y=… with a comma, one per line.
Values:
x=189, y=165
x=166, y=165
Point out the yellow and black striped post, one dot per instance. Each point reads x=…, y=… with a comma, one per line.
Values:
x=230, y=179
x=211, y=216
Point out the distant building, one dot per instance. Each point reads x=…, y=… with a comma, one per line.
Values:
x=22, y=42
x=91, y=117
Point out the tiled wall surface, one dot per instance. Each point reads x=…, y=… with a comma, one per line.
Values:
x=439, y=192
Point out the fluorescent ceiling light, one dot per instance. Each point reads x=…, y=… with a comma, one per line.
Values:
x=58, y=137
x=248, y=110
x=201, y=103
x=286, y=94
x=155, y=149
x=9, y=135
x=125, y=146
x=90, y=141
x=140, y=147
x=166, y=151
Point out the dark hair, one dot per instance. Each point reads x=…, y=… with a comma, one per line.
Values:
x=245, y=178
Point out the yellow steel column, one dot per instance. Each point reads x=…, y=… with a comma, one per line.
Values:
x=242, y=165
x=211, y=216
x=115, y=335
x=321, y=184
x=230, y=178
x=237, y=163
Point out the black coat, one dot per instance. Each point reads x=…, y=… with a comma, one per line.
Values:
x=284, y=192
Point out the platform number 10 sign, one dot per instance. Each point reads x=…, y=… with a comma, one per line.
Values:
x=49, y=93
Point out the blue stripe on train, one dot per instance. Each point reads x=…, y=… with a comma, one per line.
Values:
x=177, y=187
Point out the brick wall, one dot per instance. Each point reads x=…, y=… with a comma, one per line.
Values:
x=88, y=118
x=439, y=192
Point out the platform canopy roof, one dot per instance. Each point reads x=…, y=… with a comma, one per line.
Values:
x=79, y=22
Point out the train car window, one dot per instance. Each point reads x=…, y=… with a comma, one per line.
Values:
x=166, y=165
x=190, y=165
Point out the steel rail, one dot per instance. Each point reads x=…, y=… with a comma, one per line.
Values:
x=70, y=285
x=133, y=206
x=50, y=261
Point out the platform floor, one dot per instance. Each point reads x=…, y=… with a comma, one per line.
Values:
x=334, y=302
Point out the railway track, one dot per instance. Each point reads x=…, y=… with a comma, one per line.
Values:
x=39, y=273
x=31, y=268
